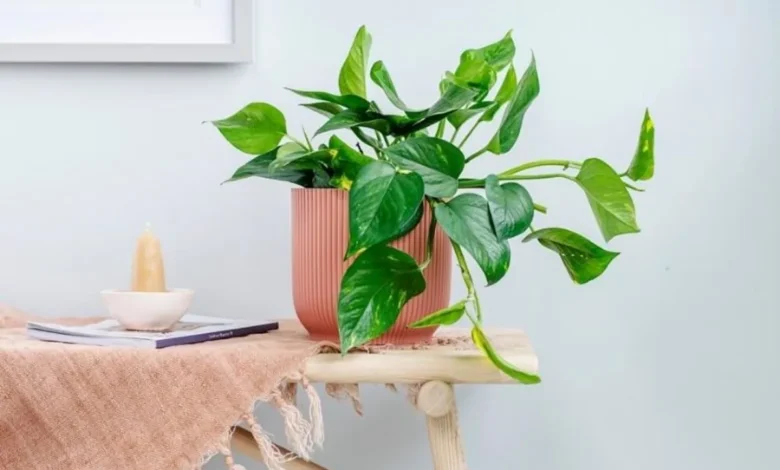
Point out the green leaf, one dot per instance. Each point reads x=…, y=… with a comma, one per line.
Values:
x=505, y=92
x=352, y=102
x=350, y=119
x=445, y=316
x=584, y=260
x=461, y=116
x=352, y=78
x=454, y=98
x=437, y=161
x=259, y=166
x=256, y=128
x=304, y=159
x=511, y=207
x=324, y=108
x=608, y=197
x=474, y=72
x=509, y=130
x=383, y=205
x=499, y=54
x=381, y=76
x=466, y=221
x=373, y=291
x=348, y=162
x=643, y=165
x=481, y=341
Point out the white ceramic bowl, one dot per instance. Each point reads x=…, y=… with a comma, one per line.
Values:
x=148, y=311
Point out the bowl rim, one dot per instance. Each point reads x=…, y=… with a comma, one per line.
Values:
x=130, y=293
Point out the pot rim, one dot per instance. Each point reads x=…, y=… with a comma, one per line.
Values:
x=301, y=190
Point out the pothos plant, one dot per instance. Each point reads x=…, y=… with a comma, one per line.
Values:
x=413, y=156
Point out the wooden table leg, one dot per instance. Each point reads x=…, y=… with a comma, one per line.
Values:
x=437, y=400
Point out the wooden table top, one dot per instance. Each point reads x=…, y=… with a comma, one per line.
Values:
x=453, y=360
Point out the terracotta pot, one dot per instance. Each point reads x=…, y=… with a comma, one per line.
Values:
x=320, y=230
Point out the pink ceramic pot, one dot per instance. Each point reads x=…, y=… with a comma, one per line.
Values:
x=320, y=230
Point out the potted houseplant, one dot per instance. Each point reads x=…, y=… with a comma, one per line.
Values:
x=374, y=222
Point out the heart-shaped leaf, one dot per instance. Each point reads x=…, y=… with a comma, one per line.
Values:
x=373, y=291
x=304, y=159
x=348, y=162
x=609, y=199
x=255, y=129
x=584, y=260
x=453, y=98
x=643, y=165
x=505, y=93
x=324, y=108
x=259, y=166
x=475, y=73
x=466, y=221
x=351, y=119
x=438, y=162
x=499, y=54
x=511, y=207
x=383, y=205
x=445, y=316
x=352, y=78
x=351, y=102
x=381, y=76
x=481, y=341
x=509, y=130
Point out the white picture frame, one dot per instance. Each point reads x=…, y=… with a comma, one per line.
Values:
x=240, y=49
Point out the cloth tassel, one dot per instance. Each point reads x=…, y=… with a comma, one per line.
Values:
x=412, y=392
x=224, y=449
x=315, y=413
x=342, y=391
x=272, y=457
x=296, y=428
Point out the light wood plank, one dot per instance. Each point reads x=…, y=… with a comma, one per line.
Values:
x=453, y=363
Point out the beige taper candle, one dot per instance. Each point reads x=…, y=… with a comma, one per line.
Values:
x=148, y=269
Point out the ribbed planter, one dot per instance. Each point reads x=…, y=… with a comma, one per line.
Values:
x=320, y=230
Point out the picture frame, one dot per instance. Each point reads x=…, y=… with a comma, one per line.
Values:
x=187, y=49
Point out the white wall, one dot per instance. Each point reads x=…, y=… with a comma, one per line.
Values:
x=668, y=361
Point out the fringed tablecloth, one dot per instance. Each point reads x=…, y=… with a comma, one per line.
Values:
x=72, y=407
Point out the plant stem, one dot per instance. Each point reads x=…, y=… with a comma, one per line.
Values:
x=454, y=134
x=478, y=153
x=635, y=188
x=471, y=131
x=464, y=271
x=429, y=244
x=540, y=208
x=477, y=183
x=379, y=138
x=526, y=166
x=440, y=129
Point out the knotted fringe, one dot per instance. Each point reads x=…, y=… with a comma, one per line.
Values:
x=224, y=449
x=302, y=434
x=272, y=456
x=343, y=391
x=411, y=393
x=315, y=413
